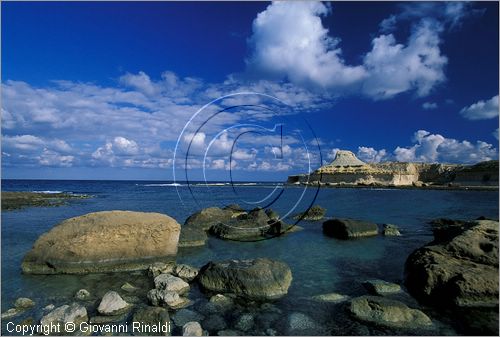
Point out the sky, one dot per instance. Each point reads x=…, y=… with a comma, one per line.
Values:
x=243, y=90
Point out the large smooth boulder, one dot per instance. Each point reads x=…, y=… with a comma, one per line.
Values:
x=253, y=279
x=459, y=271
x=390, y=313
x=112, y=304
x=103, y=242
x=349, y=228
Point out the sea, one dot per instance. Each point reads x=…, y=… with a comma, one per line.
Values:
x=319, y=264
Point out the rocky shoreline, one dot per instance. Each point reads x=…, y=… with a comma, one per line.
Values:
x=19, y=200
x=453, y=279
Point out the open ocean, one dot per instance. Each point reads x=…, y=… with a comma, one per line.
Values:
x=319, y=264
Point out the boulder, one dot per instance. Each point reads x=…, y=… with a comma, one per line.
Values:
x=379, y=287
x=167, y=298
x=391, y=230
x=24, y=303
x=218, y=304
x=245, y=322
x=192, y=237
x=184, y=316
x=186, y=272
x=82, y=294
x=254, y=279
x=388, y=313
x=158, y=268
x=104, y=242
x=459, y=272
x=73, y=313
x=192, y=329
x=214, y=323
x=171, y=283
x=150, y=316
x=299, y=323
x=112, y=304
x=315, y=213
x=349, y=229
x=208, y=217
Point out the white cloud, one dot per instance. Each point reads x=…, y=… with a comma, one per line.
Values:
x=370, y=155
x=495, y=133
x=481, y=109
x=141, y=82
x=429, y=105
x=395, y=68
x=437, y=148
x=290, y=41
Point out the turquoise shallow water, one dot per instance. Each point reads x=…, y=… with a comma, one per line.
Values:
x=319, y=264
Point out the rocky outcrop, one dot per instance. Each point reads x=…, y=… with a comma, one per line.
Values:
x=346, y=169
x=389, y=313
x=104, y=242
x=315, y=213
x=349, y=229
x=208, y=217
x=253, y=279
x=459, y=271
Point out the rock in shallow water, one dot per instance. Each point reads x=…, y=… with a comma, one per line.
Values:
x=171, y=299
x=389, y=313
x=380, y=287
x=24, y=303
x=151, y=316
x=391, y=230
x=459, y=271
x=184, y=316
x=186, y=272
x=192, y=329
x=74, y=313
x=349, y=228
x=103, y=242
x=171, y=283
x=112, y=304
x=253, y=279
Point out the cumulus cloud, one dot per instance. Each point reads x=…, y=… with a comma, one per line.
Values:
x=430, y=147
x=482, y=109
x=429, y=105
x=290, y=42
x=370, y=155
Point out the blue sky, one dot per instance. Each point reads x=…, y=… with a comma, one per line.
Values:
x=111, y=90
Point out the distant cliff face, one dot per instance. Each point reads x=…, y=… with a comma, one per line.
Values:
x=401, y=174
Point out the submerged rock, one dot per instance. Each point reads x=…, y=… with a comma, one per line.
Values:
x=315, y=213
x=112, y=304
x=245, y=322
x=184, y=316
x=349, y=229
x=389, y=313
x=391, y=230
x=192, y=329
x=459, y=272
x=186, y=272
x=24, y=303
x=73, y=313
x=128, y=287
x=331, y=297
x=104, y=242
x=254, y=279
x=380, y=287
x=82, y=294
x=152, y=316
x=214, y=323
x=299, y=323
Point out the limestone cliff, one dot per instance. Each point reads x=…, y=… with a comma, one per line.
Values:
x=346, y=169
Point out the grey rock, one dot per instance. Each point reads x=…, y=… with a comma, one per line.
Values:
x=245, y=322
x=158, y=268
x=112, y=304
x=24, y=303
x=167, y=298
x=391, y=230
x=315, y=213
x=171, y=283
x=380, y=287
x=152, y=316
x=349, y=228
x=74, y=313
x=214, y=323
x=388, y=313
x=253, y=279
x=185, y=272
x=82, y=294
x=192, y=329
x=184, y=316
x=300, y=323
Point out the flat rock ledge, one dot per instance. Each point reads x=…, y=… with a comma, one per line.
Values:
x=106, y=241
